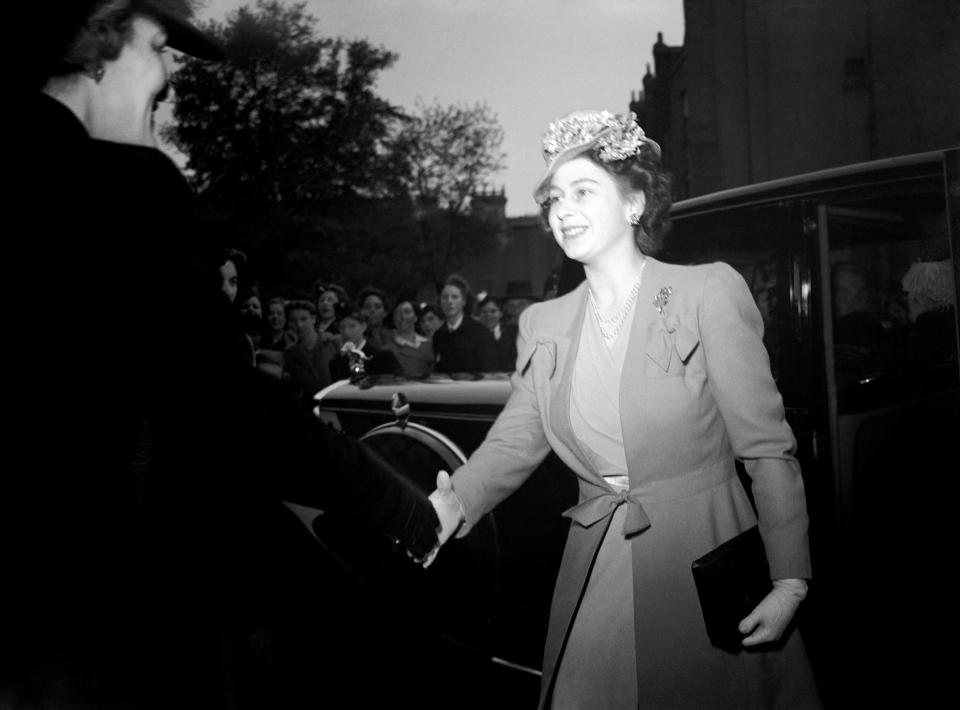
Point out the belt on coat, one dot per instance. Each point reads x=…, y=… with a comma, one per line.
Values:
x=607, y=500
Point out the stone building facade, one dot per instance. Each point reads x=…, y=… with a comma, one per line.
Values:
x=761, y=90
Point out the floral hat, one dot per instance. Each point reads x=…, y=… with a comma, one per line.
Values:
x=616, y=136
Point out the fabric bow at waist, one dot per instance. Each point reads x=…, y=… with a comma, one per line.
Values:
x=606, y=501
x=597, y=508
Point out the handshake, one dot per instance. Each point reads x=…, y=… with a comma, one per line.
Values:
x=451, y=514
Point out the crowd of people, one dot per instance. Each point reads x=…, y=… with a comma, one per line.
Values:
x=309, y=342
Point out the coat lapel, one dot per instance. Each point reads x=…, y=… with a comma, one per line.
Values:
x=561, y=385
x=646, y=322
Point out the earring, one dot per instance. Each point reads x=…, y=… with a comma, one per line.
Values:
x=634, y=219
x=96, y=73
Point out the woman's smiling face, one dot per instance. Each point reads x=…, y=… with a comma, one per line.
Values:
x=589, y=215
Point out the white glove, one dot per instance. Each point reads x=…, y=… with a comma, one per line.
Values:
x=768, y=621
x=449, y=511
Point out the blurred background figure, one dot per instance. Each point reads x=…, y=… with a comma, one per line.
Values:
x=353, y=335
x=327, y=325
x=306, y=363
x=231, y=268
x=375, y=305
x=931, y=300
x=518, y=298
x=431, y=318
x=276, y=334
x=275, y=338
x=251, y=315
x=551, y=286
x=461, y=344
x=414, y=352
x=858, y=333
x=895, y=312
x=504, y=334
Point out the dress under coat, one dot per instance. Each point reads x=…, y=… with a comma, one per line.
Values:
x=696, y=394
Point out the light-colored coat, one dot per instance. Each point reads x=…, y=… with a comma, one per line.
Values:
x=696, y=393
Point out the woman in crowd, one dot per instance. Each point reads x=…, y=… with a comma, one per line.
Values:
x=461, y=344
x=251, y=315
x=231, y=270
x=327, y=325
x=504, y=334
x=375, y=305
x=306, y=363
x=431, y=318
x=276, y=335
x=649, y=380
x=414, y=352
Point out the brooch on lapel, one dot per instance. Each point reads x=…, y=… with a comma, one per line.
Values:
x=662, y=298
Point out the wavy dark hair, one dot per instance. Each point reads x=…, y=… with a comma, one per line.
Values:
x=490, y=298
x=300, y=304
x=429, y=308
x=413, y=303
x=342, y=295
x=85, y=35
x=639, y=173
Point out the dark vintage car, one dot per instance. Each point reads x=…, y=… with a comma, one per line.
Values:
x=854, y=270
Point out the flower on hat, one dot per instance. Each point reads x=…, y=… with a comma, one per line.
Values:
x=617, y=136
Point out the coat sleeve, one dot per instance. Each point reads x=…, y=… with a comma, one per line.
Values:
x=300, y=459
x=738, y=373
x=514, y=446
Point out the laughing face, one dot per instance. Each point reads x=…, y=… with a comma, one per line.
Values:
x=588, y=214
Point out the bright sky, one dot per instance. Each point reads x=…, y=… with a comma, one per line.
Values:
x=530, y=61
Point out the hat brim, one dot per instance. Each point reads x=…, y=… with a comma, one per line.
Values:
x=186, y=38
x=542, y=189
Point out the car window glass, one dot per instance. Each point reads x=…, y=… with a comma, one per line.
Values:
x=893, y=300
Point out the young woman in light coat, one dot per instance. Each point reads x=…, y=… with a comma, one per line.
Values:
x=649, y=381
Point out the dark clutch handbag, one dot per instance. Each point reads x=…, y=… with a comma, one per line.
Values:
x=731, y=580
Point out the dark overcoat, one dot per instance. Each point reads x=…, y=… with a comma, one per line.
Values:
x=149, y=475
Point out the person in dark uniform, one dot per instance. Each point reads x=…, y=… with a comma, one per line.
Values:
x=462, y=344
x=505, y=334
x=146, y=482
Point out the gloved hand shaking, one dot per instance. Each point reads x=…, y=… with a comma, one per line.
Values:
x=449, y=510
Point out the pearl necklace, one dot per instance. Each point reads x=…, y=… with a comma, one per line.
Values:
x=610, y=327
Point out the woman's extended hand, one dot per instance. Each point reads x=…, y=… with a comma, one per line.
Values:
x=449, y=510
x=768, y=621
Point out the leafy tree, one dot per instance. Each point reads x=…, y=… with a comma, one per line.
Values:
x=452, y=153
x=299, y=162
x=287, y=141
x=290, y=117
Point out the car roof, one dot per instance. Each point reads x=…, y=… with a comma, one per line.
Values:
x=859, y=174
